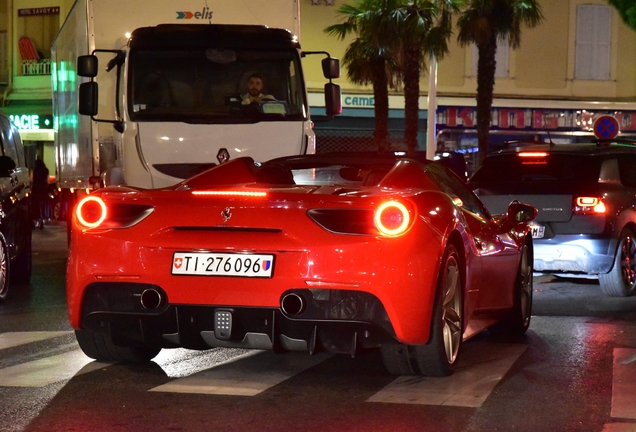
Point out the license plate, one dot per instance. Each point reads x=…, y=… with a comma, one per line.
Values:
x=223, y=264
x=537, y=231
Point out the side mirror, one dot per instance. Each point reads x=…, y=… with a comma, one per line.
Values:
x=7, y=166
x=331, y=68
x=333, y=99
x=87, y=66
x=521, y=213
x=518, y=213
x=88, y=94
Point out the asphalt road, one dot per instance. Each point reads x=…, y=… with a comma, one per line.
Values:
x=574, y=371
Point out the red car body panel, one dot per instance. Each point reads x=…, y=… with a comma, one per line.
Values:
x=401, y=272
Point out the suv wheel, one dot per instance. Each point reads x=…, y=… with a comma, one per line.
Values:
x=621, y=280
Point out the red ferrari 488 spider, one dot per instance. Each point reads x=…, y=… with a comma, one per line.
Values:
x=305, y=253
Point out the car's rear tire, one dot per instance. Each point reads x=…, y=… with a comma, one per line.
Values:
x=99, y=347
x=621, y=280
x=517, y=321
x=396, y=358
x=439, y=356
x=4, y=269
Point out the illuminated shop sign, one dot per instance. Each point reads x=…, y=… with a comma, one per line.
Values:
x=533, y=119
x=358, y=101
x=31, y=121
x=34, y=127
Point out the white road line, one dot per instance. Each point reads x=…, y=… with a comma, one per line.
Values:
x=13, y=339
x=624, y=384
x=481, y=367
x=254, y=373
x=39, y=373
x=619, y=427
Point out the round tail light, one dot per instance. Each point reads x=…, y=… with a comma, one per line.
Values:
x=90, y=212
x=392, y=218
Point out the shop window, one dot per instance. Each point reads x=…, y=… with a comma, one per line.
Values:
x=593, y=40
x=36, y=29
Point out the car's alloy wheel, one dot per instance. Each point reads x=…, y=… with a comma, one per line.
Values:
x=517, y=321
x=98, y=346
x=439, y=356
x=4, y=270
x=621, y=280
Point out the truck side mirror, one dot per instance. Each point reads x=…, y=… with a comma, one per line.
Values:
x=87, y=66
x=88, y=93
x=333, y=99
x=7, y=166
x=331, y=67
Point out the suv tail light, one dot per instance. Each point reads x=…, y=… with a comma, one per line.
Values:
x=533, y=158
x=588, y=205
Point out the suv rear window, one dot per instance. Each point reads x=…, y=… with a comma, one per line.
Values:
x=513, y=174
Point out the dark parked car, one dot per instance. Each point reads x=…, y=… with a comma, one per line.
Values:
x=586, y=197
x=15, y=218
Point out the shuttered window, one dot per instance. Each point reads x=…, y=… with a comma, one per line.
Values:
x=501, y=57
x=593, y=40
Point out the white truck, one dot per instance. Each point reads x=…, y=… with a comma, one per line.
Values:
x=167, y=105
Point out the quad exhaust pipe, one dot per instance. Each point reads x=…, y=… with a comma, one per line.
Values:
x=293, y=304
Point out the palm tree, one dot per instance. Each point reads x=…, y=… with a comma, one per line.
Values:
x=627, y=10
x=484, y=22
x=401, y=34
x=367, y=63
x=414, y=30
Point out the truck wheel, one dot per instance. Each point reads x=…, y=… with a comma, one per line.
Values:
x=621, y=280
x=99, y=347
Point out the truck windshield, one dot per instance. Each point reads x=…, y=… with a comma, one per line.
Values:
x=212, y=86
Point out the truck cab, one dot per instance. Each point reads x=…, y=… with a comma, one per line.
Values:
x=182, y=100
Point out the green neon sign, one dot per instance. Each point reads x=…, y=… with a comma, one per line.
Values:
x=31, y=121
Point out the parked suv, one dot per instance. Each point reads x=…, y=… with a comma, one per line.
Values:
x=16, y=225
x=586, y=198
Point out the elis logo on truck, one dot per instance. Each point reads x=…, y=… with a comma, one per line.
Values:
x=204, y=14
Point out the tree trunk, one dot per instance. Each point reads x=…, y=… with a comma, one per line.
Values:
x=486, y=67
x=381, y=105
x=412, y=68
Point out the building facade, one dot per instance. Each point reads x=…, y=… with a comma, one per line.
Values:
x=580, y=63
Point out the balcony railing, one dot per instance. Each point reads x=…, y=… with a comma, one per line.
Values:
x=36, y=67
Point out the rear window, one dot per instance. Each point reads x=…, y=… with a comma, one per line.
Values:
x=512, y=174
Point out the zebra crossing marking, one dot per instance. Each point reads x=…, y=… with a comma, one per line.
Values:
x=246, y=375
x=480, y=369
x=13, y=339
x=45, y=371
x=624, y=384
